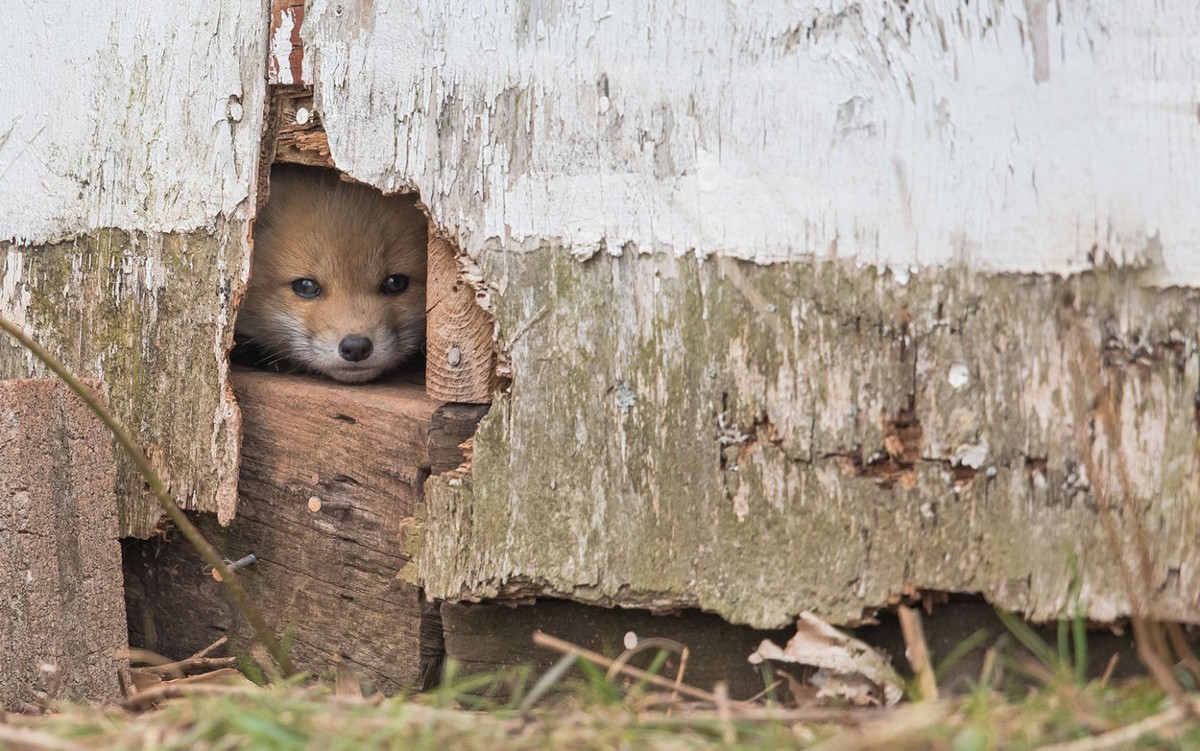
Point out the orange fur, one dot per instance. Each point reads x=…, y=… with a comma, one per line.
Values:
x=348, y=238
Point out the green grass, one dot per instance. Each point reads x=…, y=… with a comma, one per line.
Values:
x=480, y=713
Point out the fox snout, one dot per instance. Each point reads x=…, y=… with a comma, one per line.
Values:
x=355, y=348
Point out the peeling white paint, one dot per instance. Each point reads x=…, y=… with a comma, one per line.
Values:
x=281, y=49
x=999, y=136
x=138, y=118
x=959, y=375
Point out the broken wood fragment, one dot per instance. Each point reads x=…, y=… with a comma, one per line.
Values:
x=461, y=363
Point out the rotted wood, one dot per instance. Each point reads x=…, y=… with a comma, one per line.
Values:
x=332, y=576
x=452, y=426
x=460, y=345
x=62, y=627
x=301, y=139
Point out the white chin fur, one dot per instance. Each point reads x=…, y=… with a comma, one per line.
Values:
x=353, y=376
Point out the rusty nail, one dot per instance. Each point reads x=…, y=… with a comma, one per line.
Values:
x=315, y=504
x=240, y=563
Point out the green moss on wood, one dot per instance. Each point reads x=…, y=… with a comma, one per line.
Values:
x=760, y=440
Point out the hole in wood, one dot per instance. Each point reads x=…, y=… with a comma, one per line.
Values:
x=337, y=280
x=332, y=473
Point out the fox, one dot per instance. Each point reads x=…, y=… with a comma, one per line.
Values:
x=337, y=277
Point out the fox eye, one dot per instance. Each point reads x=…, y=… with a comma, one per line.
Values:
x=394, y=284
x=307, y=288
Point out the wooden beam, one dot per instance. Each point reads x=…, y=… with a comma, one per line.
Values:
x=62, y=625
x=331, y=576
x=461, y=363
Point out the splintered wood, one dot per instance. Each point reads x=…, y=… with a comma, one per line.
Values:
x=301, y=138
x=62, y=623
x=331, y=480
x=461, y=355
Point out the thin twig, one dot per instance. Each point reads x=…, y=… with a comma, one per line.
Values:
x=159, y=490
x=190, y=666
x=217, y=682
x=207, y=650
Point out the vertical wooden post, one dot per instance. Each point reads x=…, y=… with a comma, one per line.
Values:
x=286, y=61
x=62, y=620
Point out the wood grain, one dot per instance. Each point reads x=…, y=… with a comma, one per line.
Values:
x=461, y=352
x=61, y=618
x=330, y=576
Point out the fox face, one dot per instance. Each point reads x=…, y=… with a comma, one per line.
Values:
x=337, y=281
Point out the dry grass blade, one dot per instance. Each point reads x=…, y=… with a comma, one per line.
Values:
x=1126, y=736
x=917, y=651
x=158, y=489
x=724, y=715
x=23, y=739
x=1149, y=637
x=559, y=645
x=653, y=643
x=890, y=731
x=226, y=680
x=346, y=683
x=551, y=677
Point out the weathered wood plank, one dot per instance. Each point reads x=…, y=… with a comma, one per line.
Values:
x=148, y=315
x=62, y=620
x=461, y=363
x=128, y=185
x=332, y=575
x=451, y=425
x=758, y=441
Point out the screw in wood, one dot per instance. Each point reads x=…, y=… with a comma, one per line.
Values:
x=454, y=357
x=315, y=505
x=240, y=563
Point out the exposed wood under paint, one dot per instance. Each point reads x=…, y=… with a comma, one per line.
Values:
x=332, y=575
x=757, y=441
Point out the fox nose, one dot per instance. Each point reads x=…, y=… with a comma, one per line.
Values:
x=355, y=348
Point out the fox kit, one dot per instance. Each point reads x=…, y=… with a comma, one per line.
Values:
x=337, y=283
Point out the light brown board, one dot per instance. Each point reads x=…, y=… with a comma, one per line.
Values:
x=331, y=577
x=461, y=366
x=62, y=620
